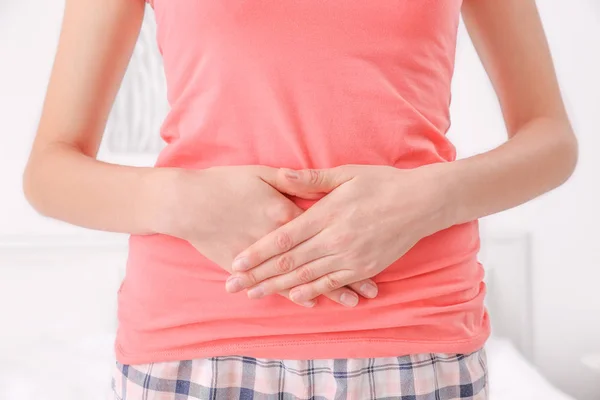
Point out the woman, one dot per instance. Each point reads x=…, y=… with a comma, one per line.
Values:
x=307, y=232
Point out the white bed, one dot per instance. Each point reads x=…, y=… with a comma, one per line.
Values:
x=512, y=377
x=54, y=370
x=70, y=357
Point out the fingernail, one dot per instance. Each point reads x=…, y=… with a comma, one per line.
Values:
x=296, y=295
x=349, y=300
x=233, y=284
x=240, y=264
x=291, y=174
x=256, y=292
x=368, y=290
x=309, y=304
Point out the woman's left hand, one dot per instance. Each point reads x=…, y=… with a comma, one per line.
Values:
x=369, y=217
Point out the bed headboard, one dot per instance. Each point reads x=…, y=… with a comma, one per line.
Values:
x=506, y=258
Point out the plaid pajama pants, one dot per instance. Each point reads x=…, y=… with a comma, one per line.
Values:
x=415, y=377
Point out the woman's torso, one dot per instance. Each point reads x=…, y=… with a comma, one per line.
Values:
x=304, y=84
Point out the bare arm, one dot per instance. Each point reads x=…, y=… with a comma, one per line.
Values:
x=62, y=178
x=541, y=152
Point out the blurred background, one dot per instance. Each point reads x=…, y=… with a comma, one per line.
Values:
x=58, y=283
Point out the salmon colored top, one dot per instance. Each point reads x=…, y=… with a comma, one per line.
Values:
x=304, y=84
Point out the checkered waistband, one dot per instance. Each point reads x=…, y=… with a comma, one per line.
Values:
x=414, y=377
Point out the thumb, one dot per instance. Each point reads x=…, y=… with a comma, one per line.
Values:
x=310, y=183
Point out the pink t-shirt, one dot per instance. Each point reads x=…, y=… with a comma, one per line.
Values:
x=304, y=84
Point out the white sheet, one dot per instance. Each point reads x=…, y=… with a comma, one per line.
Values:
x=512, y=377
x=56, y=370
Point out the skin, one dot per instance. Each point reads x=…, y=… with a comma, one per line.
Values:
x=63, y=179
x=277, y=248
x=540, y=154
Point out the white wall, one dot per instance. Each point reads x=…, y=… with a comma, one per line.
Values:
x=28, y=35
x=29, y=31
x=564, y=223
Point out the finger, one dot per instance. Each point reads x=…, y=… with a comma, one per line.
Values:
x=304, y=253
x=280, y=241
x=275, y=177
x=343, y=296
x=300, y=276
x=346, y=296
x=308, y=183
x=322, y=285
x=313, y=183
x=366, y=288
x=307, y=304
x=316, y=180
x=283, y=184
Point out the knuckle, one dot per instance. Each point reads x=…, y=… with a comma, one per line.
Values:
x=282, y=213
x=314, y=176
x=284, y=264
x=283, y=241
x=332, y=283
x=341, y=240
x=370, y=268
x=305, y=275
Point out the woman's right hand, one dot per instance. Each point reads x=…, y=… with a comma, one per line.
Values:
x=223, y=210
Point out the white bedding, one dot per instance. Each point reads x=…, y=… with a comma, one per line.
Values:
x=55, y=370
x=512, y=377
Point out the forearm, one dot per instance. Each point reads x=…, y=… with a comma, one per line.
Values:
x=62, y=183
x=538, y=158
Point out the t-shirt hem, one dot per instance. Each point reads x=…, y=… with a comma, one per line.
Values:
x=310, y=349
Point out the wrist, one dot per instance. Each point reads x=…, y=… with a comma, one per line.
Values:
x=446, y=205
x=160, y=188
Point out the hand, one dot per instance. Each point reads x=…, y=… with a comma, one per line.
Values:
x=223, y=210
x=372, y=216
